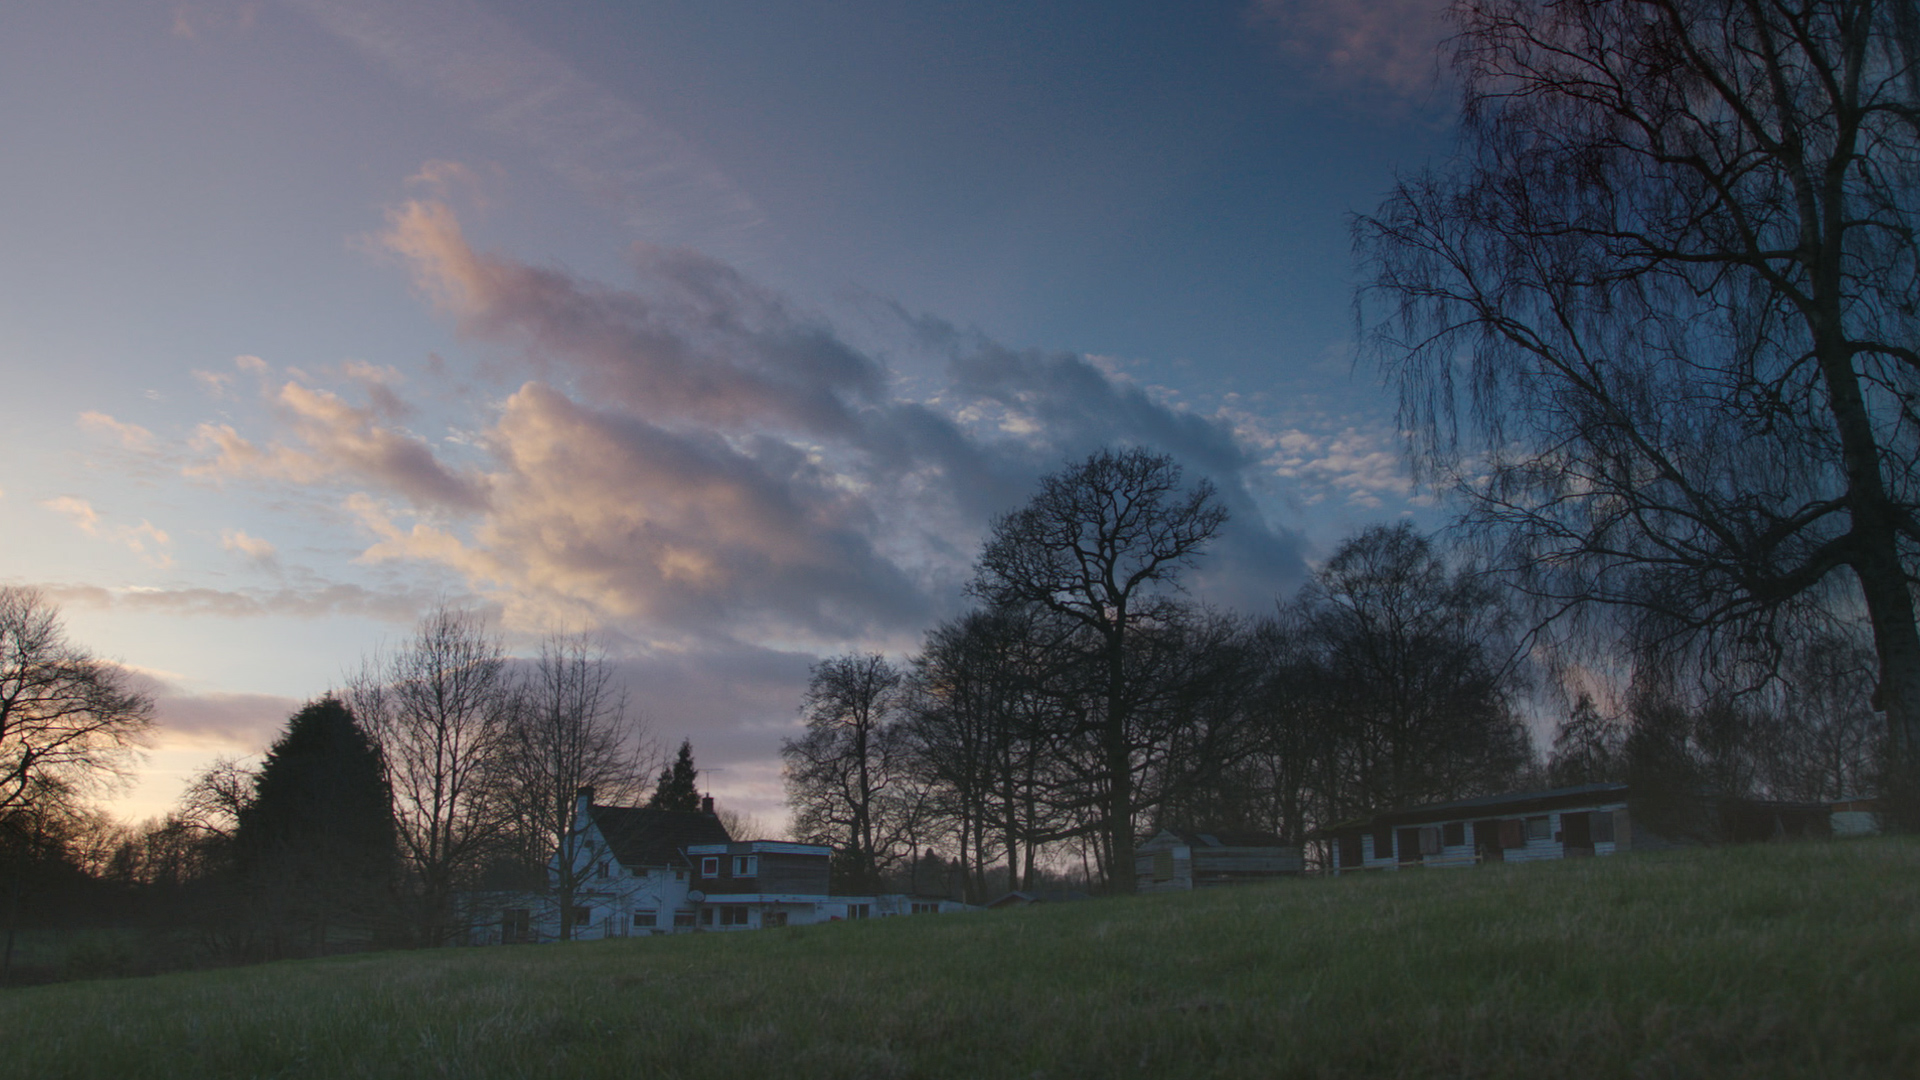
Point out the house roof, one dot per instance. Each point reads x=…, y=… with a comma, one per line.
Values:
x=640, y=836
x=1514, y=802
x=1221, y=838
x=1040, y=896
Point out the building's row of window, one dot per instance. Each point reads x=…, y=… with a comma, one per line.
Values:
x=1504, y=834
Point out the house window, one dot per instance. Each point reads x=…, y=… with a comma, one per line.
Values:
x=746, y=865
x=926, y=909
x=733, y=915
x=1383, y=842
x=859, y=911
x=773, y=918
x=683, y=919
x=679, y=875
x=1350, y=854
x=1453, y=833
x=706, y=916
x=710, y=866
x=1538, y=828
x=646, y=918
x=516, y=925
x=1602, y=827
x=1430, y=840
x=582, y=916
x=1513, y=833
x=603, y=869
x=1163, y=866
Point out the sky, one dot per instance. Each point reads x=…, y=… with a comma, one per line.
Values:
x=721, y=329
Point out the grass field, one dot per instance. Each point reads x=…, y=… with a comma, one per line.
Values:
x=1778, y=960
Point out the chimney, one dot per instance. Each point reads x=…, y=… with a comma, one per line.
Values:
x=706, y=804
x=582, y=805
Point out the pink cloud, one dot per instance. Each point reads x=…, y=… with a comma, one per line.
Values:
x=1390, y=45
x=702, y=344
x=329, y=439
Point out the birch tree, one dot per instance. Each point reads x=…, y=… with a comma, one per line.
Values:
x=1658, y=319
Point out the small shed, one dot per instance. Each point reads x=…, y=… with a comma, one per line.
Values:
x=1177, y=860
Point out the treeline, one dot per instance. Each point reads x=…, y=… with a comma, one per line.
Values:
x=440, y=768
x=1087, y=701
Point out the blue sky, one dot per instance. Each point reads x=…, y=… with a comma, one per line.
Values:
x=722, y=328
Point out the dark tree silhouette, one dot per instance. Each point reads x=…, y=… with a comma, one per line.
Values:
x=572, y=730
x=1102, y=545
x=315, y=847
x=66, y=718
x=677, y=788
x=840, y=774
x=440, y=707
x=1671, y=280
x=1410, y=660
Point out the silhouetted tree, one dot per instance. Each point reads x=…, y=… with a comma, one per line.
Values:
x=573, y=730
x=67, y=719
x=1670, y=277
x=839, y=773
x=315, y=846
x=1588, y=748
x=1102, y=545
x=440, y=707
x=678, y=786
x=1412, y=663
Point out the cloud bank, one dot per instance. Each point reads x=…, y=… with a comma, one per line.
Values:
x=692, y=457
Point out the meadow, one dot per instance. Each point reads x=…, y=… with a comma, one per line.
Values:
x=1766, y=960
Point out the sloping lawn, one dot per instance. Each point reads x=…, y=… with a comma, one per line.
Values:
x=1775, y=960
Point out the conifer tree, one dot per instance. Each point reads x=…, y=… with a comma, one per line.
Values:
x=675, y=789
x=315, y=848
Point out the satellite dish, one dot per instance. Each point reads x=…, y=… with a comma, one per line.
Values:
x=695, y=896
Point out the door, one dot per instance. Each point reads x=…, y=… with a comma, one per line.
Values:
x=1576, y=835
x=1486, y=841
x=1409, y=844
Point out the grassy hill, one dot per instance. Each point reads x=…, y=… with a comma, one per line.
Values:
x=1790, y=960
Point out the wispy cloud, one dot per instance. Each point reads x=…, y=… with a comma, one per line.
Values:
x=329, y=438
x=131, y=436
x=145, y=539
x=607, y=147
x=396, y=605
x=1381, y=46
x=254, y=548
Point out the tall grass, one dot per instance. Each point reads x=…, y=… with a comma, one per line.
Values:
x=1788, y=960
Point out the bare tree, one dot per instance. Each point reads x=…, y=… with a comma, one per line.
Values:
x=574, y=729
x=1412, y=663
x=841, y=772
x=67, y=719
x=214, y=799
x=1826, y=744
x=1102, y=545
x=1671, y=281
x=441, y=706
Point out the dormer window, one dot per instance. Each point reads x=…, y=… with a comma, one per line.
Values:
x=710, y=866
x=746, y=865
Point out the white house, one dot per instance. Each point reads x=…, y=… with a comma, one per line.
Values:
x=631, y=872
x=1591, y=819
x=640, y=872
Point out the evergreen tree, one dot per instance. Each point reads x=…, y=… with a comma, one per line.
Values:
x=675, y=789
x=315, y=848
